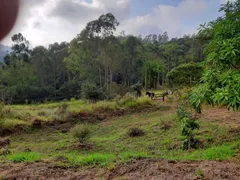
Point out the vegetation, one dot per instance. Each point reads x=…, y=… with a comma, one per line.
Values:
x=221, y=78
x=82, y=133
x=97, y=65
x=89, y=93
x=134, y=132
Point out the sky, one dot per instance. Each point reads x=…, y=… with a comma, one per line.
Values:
x=44, y=22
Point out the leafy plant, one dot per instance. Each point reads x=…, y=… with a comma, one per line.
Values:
x=222, y=75
x=81, y=132
x=188, y=125
x=91, y=92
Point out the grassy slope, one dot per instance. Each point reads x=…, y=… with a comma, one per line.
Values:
x=112, y=144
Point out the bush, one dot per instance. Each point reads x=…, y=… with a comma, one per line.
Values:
x=188, y=125
x=134, y=132
x=81, y=132
x=91, y=92
x=62, y=108
x=127, y=99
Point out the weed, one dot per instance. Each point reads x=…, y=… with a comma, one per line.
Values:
x=134, y=132
x=81, y=132
x=199, y=173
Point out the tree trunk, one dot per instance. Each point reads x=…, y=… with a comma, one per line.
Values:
x=145, y=79
x=100, y=77
x=163, y=78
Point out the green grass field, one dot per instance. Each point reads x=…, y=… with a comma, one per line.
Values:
x=109, y=142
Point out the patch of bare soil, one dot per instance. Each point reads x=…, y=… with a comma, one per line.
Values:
x=140, y=169
x=222, y=116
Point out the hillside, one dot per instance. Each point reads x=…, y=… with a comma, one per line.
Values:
x=45, y=140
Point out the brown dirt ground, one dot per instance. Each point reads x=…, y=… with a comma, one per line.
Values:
x=222, y=116
x=136, y=170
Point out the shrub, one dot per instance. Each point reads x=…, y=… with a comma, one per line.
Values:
x=81, y=132
x=128, y=98
x=91, y=92
x=188, y=125
x=62, y=108
x=134, y=132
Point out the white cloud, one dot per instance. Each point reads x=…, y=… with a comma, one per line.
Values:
x=168, y=18
x=47, y=21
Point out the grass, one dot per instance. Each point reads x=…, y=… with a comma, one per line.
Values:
x=126, y=156
x=24, y=114
x=75, y=160
x=111, y=143
x=24, y=157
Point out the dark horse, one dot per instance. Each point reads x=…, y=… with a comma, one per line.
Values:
x=151, y=95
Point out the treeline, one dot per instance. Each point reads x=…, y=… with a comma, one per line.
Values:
x=98, y=64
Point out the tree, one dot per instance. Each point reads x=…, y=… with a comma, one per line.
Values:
x=222, y=76
x=185, y=74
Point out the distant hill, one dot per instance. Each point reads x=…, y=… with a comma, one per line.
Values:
x=3, y=51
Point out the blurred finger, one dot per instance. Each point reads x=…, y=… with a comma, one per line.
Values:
x=8, y=16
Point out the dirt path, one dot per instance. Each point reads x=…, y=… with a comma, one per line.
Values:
x=140, y=169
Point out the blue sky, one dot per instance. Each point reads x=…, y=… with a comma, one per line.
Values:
x=48, y=21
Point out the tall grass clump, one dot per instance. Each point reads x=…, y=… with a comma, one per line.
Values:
x=89, y=159
x=81, y=132
x=24, y=157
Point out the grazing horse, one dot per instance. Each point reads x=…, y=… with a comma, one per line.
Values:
x=151, y=95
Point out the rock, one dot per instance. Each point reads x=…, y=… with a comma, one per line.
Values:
x=4, y=142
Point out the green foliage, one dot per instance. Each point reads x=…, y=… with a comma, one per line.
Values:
x=81, y=132
x=181, y=113
x=113, y=64
x=222, y=75
x=91, y=92
x=185, y=74
x=188, y=125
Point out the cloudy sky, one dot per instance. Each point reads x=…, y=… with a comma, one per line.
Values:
x=47, y=21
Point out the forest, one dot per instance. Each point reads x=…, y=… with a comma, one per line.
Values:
x=99, y=60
